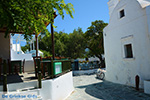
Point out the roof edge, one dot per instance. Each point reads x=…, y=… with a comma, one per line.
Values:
x=144, y=3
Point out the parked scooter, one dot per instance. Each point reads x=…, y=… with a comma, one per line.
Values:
x=100, y=73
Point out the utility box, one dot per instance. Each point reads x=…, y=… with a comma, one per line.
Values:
x=57, y=67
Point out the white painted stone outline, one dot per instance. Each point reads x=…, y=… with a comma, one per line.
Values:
x=124, y=41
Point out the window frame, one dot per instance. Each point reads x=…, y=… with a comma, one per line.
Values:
x=121, y=13
x=128, y=50
x=128, y=39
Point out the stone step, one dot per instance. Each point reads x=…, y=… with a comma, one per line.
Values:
x=26, y=89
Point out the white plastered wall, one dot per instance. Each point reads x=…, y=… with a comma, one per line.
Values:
x=52, y=89
x=117, y=34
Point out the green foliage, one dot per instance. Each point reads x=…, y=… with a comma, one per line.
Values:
x=46, y=53
x=76, y=44
x=94, y=38
x=30, y=16
x=73, y=45
x=67, y=45
x=26, y=47
x=45, y=43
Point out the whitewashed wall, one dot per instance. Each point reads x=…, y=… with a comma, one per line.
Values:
x=90, y=59
x=84, y=72
x=111, y=5
x=57, y=89
x=53, y=89
x=15, y=56
x=16, y=47
x=29, y=66
x=132, y=29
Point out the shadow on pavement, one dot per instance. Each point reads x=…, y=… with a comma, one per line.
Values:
x=111, y=91
x=91, y=90
x=12, y=79
x=88, y=74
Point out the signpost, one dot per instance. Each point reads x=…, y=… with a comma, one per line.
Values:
x=52, y=37
x=57, y=67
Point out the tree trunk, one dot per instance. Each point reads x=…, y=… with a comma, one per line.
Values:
x=102, y=65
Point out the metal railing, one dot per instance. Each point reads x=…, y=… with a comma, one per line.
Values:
x=52, y=68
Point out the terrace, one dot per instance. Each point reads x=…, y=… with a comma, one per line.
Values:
x=45, y=74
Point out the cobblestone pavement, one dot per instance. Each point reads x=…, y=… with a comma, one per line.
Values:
x=87, y=87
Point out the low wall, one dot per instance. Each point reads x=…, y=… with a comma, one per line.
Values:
x=53, y=89
x=84, y=72
x=57, y=89
x=16, y=56
x=29, y=66
x=147, y=87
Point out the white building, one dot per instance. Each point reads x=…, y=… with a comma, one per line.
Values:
x=127, y=41
x=18, y=54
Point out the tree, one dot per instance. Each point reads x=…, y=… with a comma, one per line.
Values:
x=45, y=44
x=60, y=43
x=66, y=45
x=94, y=38
x=26, y=47
x=76, y=44
x=30, y=16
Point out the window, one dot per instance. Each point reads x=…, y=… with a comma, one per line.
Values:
x=128, y=51
x=122, y=14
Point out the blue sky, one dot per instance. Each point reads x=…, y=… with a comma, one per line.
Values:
x=86, y=11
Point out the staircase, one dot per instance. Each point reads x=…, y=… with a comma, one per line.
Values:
x=26, y=91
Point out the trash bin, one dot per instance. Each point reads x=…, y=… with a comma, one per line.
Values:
x=76, y=63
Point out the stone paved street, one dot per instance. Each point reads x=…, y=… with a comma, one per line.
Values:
x=87, y=87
